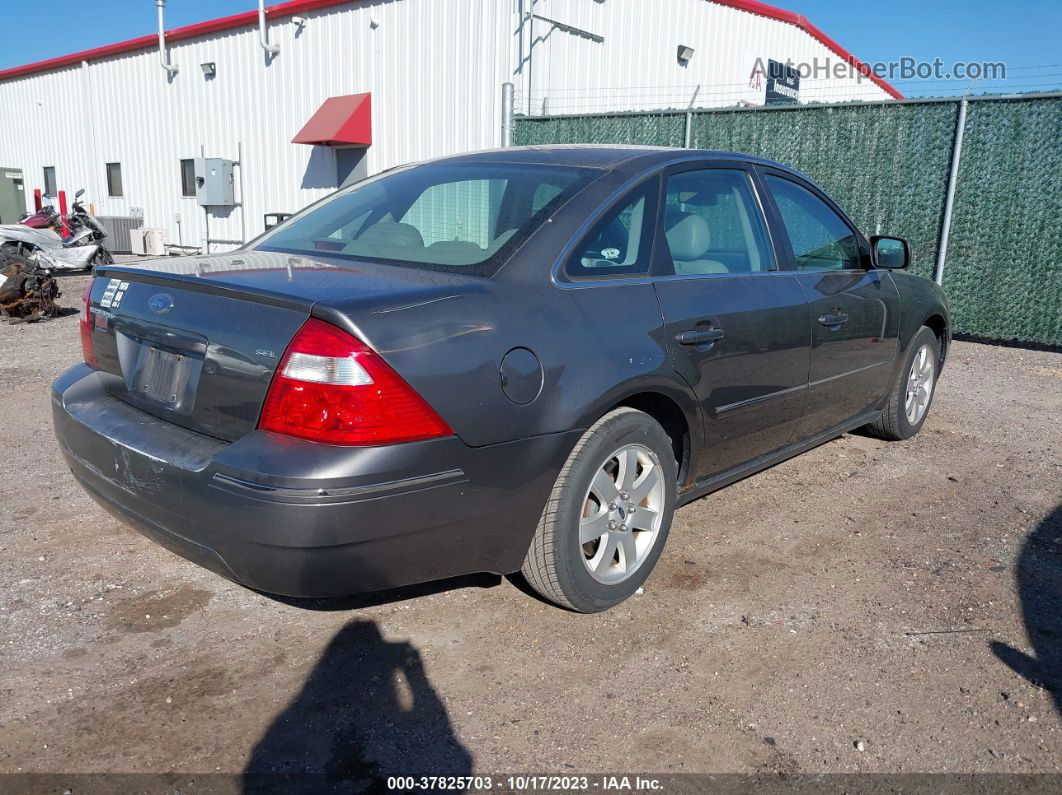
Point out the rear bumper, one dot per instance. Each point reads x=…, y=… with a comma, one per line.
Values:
x=301, y=519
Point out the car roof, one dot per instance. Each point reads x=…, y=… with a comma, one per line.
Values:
x=602, y=156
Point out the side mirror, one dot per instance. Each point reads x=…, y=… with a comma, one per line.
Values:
x=891, y=253
x=80, y=193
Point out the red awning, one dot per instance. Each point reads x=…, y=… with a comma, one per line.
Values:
x=340, y=121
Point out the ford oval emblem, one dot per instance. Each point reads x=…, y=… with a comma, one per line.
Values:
x=160, y=303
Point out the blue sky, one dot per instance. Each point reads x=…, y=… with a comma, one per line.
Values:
x=1021, y=34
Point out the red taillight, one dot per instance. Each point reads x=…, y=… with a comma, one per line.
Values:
x=330, y=387
x=87, y=353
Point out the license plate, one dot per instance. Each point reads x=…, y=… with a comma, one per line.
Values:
x=164, y=375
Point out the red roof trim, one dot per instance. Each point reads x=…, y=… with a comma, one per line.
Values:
x=300, y=6
x=772, y=12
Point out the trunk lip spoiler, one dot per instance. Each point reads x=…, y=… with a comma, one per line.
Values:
x=196, y=284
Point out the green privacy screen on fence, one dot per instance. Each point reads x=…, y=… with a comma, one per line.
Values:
x=859, y=155
x=888, y=166
x=1004, y=268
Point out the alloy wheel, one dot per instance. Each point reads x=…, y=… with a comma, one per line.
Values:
x=920, y=382
x=622, y=513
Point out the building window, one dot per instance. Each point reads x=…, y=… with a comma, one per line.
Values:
x=188, y=178
x=49, y=181
x=114, y=179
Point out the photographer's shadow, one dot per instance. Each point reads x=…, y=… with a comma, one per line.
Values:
x=1040, y=588
x=366, y=712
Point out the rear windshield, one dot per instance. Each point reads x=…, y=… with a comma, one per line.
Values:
x=441, y=216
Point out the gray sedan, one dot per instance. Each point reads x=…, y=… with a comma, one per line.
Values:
x=512, y=361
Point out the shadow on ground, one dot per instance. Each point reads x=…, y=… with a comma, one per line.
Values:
x=1039, y=576
x=366, y=711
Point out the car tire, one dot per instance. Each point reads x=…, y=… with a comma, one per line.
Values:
x=900, y=418
x=624, y=461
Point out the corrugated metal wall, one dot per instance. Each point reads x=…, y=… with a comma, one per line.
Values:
x=435, y=90
x=434, y=67
x=636, y=66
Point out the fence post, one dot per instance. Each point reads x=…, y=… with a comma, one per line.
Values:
x=507, y=114
x=687, y=132
x=949, y=201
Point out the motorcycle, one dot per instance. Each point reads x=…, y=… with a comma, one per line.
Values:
x=47, y=249
x=79, y=220
x=44, y=218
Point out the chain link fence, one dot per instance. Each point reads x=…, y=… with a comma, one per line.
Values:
x=888, y=165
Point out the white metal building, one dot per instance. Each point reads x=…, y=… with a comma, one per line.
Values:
x=115, y=121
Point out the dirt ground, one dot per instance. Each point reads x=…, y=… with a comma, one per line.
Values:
x=866, y=607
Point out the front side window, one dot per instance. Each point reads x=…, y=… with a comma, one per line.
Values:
x=465, y=218
x=821, y=240
x=114, y=179
x=50, y=188
x=619, y=243
x=713, y=224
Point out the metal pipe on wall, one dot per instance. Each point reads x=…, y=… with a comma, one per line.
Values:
x=949, y=201
x=507, y=114
x=89, y=112
x=206, y=212
x=243, y=207
x=263, y=36
x=171, y=69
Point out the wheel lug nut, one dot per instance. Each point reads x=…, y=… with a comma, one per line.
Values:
x=612, y=506
x=623, y=527
x=625, y=495
x=611, y=525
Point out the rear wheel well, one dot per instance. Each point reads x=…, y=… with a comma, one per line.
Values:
x=671, y=418
x=940, y=328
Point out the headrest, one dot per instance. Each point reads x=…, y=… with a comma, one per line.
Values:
x=390, y=233
x=456, y=247
x=688, y=235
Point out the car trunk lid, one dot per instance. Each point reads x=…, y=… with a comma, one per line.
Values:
x=196, y=340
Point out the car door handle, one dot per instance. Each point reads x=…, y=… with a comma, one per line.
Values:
x=834, y=319
x=699, y=336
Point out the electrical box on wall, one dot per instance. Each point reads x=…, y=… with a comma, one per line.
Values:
x=213, y=182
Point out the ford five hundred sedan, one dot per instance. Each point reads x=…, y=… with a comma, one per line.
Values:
x=511, y=361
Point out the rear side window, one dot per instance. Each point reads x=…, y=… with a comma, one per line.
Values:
x=619, y=243
x=713, y=223
x=466, y=218
x=821, y=240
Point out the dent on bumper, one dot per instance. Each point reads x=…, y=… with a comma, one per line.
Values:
x=297, y=518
